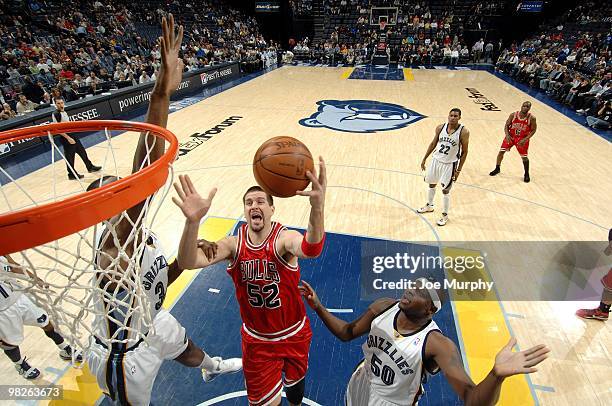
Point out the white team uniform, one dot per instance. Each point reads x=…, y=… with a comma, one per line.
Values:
x=127, y=372
x=16, y=310
x=445, y=157
x=392, y=373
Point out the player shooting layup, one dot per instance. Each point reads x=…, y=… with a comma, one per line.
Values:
x=126, y=372
x=405, y=345
x=450, y=149
x=264, y=266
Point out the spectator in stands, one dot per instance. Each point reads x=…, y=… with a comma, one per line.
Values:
x=603, y=119
x=144, y=77
x=489, y=52
x=71, y=93
x=7, y=112
x=92, y=79
x=33, y=91
x=477, y=49
x=24, y=105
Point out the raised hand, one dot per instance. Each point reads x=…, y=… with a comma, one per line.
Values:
x=309, y=294
x=319, y=186
x=193, y=206
x=171, y=69
x=508, y=363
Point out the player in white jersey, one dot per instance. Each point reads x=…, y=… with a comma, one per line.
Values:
x=405, y=345
x=17, y=310
x=126, y=371
x=450, y=149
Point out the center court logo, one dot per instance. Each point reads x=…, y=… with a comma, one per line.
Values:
x=360, y=116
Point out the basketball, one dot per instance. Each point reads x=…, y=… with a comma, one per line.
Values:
x=280, y=166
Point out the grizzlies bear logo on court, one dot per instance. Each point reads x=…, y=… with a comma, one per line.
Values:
x=360, y=116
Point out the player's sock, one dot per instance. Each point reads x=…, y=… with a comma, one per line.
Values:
x=445, y=203
x=208, y=363
x=430, y=195
x=57, y=339
x=604, y=307
x=14, y=355
x=496, y=170
x=526, y=166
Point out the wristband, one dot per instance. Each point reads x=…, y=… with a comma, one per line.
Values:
x=312, y=249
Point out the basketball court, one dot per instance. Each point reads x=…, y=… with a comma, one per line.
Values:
x=375, y=186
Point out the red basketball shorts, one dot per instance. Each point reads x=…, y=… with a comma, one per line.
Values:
x=522, y=149
x=268, y=365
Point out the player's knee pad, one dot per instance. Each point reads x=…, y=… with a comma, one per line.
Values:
x=295, y=393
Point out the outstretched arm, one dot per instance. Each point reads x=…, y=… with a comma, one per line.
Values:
x=194, y=208
x=14, y=267
x=311, y=244
x=507, y=363
x=345, y=331
x=149, y=148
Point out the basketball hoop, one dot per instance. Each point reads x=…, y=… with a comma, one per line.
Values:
x=51, y=230
x=41, y=224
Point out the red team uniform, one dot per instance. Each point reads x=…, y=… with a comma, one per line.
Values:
x=518, y=130
x=276, y=332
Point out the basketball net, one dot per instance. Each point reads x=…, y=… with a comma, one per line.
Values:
x=63, y=276
x=383, y=24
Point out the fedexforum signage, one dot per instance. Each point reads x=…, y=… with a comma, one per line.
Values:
x=197, y=139
x=487, y=104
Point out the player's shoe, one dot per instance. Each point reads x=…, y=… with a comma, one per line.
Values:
x=443, y=220
x=526, y=178
x=596, y=314
x=66, y=355
x=26, y=370
x=494, y=172
x=428, y=208
x=224, y=366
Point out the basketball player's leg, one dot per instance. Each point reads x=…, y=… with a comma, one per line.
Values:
x=446, y=172
x=523, y=150
x=505, y=147
x=602, y=312
x=195, y=357
x=65, y=349
x=263, y=371
x=171, y=340
x=295, y=369
x=432, y=177
x=358, y=388
x=11, y=336
x=33, y=315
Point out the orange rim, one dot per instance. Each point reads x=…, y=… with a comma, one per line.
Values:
x=27, y=228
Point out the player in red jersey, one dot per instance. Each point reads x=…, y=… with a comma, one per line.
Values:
x=602, y=312
x=264, y=266
x=519, y=129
